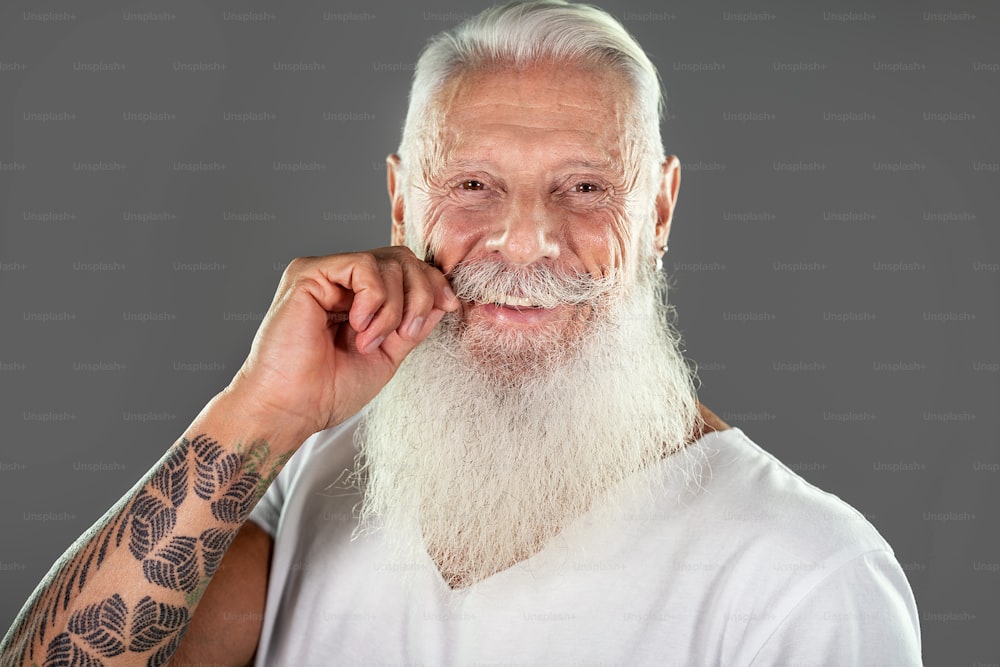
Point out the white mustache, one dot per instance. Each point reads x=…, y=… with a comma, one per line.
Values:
x=539, y=286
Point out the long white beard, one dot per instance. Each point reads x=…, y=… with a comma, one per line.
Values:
x=480, y=467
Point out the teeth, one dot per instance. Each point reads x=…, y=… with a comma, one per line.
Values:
x=509, y=300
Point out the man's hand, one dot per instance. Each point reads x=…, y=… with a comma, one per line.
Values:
x=336, y=332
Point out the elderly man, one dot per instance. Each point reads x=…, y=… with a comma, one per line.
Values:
x=502, y=458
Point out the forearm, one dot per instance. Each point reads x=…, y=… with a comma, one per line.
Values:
x=125, y=591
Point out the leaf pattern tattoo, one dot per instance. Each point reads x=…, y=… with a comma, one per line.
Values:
x=181, y=565
x=99, y=631
x=102, y=626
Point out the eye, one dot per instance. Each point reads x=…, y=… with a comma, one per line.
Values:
x=472, y=184
x=587, y=188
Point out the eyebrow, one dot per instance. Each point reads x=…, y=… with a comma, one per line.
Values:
x=609, y=164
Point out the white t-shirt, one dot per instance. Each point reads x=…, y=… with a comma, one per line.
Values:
x=754, y=566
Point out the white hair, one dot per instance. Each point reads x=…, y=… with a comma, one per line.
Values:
x=517, y=35
x=487, y=444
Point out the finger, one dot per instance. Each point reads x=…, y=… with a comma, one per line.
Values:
x=418, y=298
x=389, y=315
x=397, y=347
x=349, y=284
x=444, y=296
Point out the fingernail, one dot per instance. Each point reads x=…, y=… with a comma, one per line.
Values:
x=366, y=322
x=372, y=346
x=416, y=325
x=449, y=293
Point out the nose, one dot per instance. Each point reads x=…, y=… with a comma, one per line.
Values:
x=526, y=232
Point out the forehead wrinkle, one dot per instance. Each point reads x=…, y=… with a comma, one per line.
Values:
x=565, y=119
x=463, y=105
x=463, y=152
x=553, y=75
x=488, y=160
x=466, y=98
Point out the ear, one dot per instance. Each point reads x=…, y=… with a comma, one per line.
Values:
x=666, y=200
x=394, y=179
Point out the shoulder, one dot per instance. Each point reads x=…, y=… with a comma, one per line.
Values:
x=800, y=559
x=770, y=516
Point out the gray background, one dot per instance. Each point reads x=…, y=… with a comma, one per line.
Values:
x=835, y=248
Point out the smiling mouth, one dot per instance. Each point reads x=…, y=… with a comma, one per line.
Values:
x=510, y=301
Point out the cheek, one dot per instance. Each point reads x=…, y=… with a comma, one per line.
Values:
x=602, y=241
x=452, y=233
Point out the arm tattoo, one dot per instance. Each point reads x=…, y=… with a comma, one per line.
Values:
x=181, y=565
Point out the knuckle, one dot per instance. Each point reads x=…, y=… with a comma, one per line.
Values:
x=404, y=251
x=308, y=283
x=375, y=292
x=390, y=264
x=421, y=300
x=296, y=266
x=366, y=259
x=292, y=275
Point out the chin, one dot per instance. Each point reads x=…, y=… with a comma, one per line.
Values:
x=512, y=353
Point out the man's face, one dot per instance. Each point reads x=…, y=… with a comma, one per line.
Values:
x=516, y=419
x=536, y=170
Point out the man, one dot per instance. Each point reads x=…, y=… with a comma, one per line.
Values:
x=534, y=479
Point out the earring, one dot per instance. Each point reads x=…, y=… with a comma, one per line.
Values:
x=659, y=258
